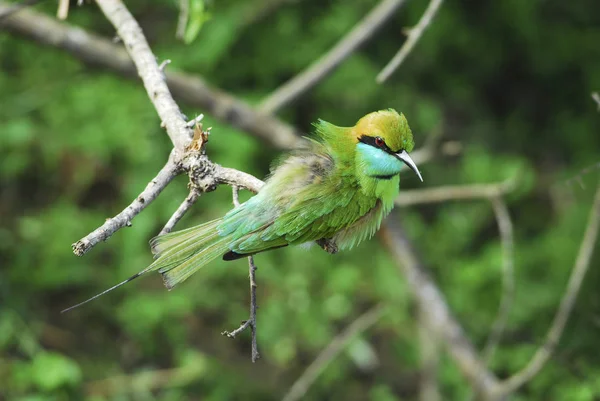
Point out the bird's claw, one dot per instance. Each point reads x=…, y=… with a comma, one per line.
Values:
x=328, y=245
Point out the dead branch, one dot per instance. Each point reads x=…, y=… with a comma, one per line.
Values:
x=327, y=63
x=188, y=202
x=457, y=192
x=438, y=317
x=182, y=20
x=251, y=322
x=505, y=227
x=63, y=9
x=413, y=37
x=544, y=352
x=596, y=98
x=305, y=381
x=123, y=219
x=429, y=352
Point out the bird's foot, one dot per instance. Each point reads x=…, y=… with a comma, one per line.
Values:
x=328, y=245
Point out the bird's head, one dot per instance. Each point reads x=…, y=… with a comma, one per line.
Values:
x=383, y=142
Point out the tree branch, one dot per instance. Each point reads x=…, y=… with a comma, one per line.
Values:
x=327, y=63
x=181, y=210
x=306, y=380
x=413, y=37
x=182, y=20
x=545, y=351
x=190, y=89
x=251, y=322
x=429, y=352
x=123, y=219
x=596, y=98
x=457, y=192
x=438, y=317
x=505, y=227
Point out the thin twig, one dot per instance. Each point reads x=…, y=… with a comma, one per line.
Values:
x=63, y=9
x=195, y=121
x=251, y=322
x=596, y=98
x=579, y=176
x=505, y=227
x=457, y=192
x=413, y=37
x=123, y=219
x=327, y=63
x=182, y=21
x=181, y=210
x=306, y=380
x=429, y=351
x=229, y=176
x=187, y=88
x=544, y=352
x=438, y=318
x=207, y=174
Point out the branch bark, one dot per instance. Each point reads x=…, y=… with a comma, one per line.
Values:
x=505, y=228
x=545, y=351
x=306, y=380
x=456, y=192
x=438, y=317
x=413, y=37
x=123, y=219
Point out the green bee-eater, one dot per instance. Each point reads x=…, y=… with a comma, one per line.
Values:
x=335, y=191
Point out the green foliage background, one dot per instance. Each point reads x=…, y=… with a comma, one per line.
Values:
x=510, y=80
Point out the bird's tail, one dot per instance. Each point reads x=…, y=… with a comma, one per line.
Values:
x=180, y=254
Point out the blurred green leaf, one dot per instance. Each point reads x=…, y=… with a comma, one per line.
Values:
x=50, y=371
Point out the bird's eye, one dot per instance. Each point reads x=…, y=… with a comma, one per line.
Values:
x=379, y=141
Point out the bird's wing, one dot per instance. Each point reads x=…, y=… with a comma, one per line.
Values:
x=306, y=199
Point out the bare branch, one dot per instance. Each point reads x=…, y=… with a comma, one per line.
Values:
x=545, y=351
x=327, y=63
x=505, y=227
x=190, y=89
x=154, y=187
x=430, y=360
x=182, y=159
x=251, y=322
x=63, y=9
x=437, y=316
x=596, y=98
x=182, y=20
x=181, y=210
x=229, y=176
x=458, y=192
x=413, y=37
x=306, y=380
x=195, y=121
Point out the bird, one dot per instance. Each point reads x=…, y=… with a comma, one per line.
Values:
x=336, y=191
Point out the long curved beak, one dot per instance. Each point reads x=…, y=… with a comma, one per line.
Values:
x=409, y=162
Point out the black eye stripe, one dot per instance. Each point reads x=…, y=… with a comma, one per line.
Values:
x=370, y=140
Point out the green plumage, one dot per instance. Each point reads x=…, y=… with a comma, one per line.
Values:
x=338, y=188
x=324, y=191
